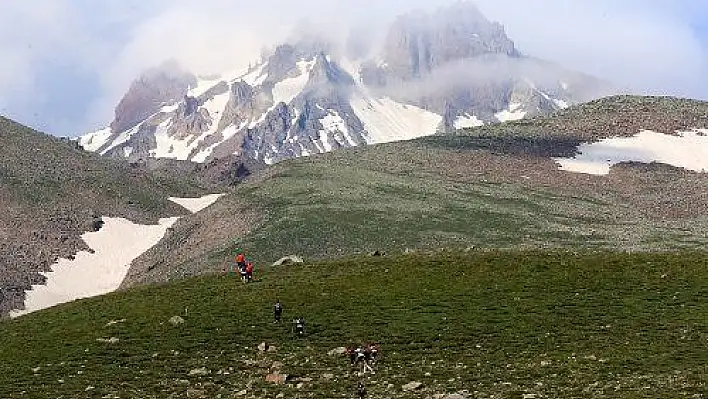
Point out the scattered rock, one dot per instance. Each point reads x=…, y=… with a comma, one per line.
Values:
x=262, y=347
x=280, y=396
x=176, y=320
x=199, y=371
x=114, y=322
x=300, y=385
x=337, y=351
x=377, y=253
x=328, y=376
x=412, y=386
x=276, y=365
x=195, y=393
x=111, y=340
x=288, y=260
x=454, y=396
x=529, y=396
x=276, y=378
x=183, y=382
x=242, y=392
x=36, y=369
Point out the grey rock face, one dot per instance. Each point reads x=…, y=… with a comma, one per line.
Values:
x=297, y=129
x=418, y=43
x=156, y=87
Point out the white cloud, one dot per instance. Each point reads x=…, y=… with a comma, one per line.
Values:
x=646, y=44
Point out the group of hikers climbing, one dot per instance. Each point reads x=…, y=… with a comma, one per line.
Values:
x=364, y=356
x=244, y=266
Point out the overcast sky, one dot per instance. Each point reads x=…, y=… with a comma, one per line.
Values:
x=66, y=63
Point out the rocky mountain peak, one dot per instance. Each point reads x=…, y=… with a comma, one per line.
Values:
x=417, y=43
x=324, y=71
x=156, y=87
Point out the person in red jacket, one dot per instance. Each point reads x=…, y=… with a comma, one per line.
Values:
x=241, y=262
x=249, y=272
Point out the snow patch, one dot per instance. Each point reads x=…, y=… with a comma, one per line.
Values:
x=466, y=120
x=256, y=77
x=288, y=89
x=514, y=113
x=122, y=138
x=332, y=124
x=94, y=141
x=687, y=150
x=172, y=147
x=560, y=103
x=386, y=120
x=115, y=246
x=202, y=87
x=195, y=205
x=127, y=151
x=169, y=108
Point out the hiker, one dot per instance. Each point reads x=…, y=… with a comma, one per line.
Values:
x=351, y=351
x=249, y=272
x=361, y=390
x=240, y=261
x=299, y=328
x=372, y=353
x=277, y=311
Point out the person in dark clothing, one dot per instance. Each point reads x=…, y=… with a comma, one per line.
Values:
x=299, y=328
x=277, y=311
x=361, y=390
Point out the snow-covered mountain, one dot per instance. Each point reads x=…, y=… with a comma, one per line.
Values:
x=435, y=73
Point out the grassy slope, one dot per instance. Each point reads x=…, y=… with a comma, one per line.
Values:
x=39, y=170
x=495, y=186
x=492, y=323
x=607, y=117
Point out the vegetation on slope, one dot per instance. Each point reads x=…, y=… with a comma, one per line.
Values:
x=438, y=193
x=51, y=192
x=606, y=117
x=502, y=324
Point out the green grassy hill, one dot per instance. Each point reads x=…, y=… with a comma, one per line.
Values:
x=485, y=324
x=493, y=187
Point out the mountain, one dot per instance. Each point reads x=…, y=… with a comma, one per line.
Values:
x=434, y=73
x=52, y=191
x=498, y=186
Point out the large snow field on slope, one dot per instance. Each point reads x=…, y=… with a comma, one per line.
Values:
x=466, y=120
x=688, y=150
x=386, y=120
x=286, y=90
x=514, y=113
x=115, y=246
x=172, y=147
